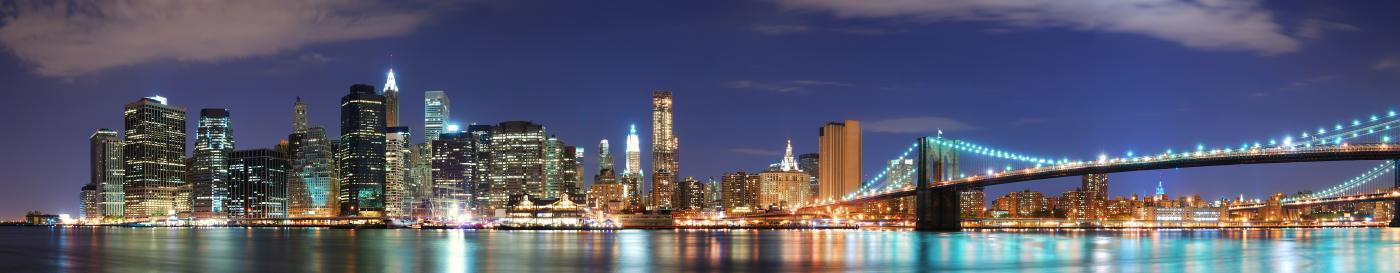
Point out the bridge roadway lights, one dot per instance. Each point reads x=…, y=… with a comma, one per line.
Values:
x=938, y=210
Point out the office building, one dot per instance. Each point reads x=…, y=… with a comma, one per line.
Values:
x=810, y=163
x=839, y=173
x=517, y=161
x=257, y=184
x=691, y=194
x=312, y=189
x=786, y=186
x=972, y=202
x=740, y=192
x=361, y=152
x=154, y=155
x=88, y=203
x=396, y=153
x=209, y=170
x=299, y=117
x=453, y=169
x=107, y=172
x=436, y=110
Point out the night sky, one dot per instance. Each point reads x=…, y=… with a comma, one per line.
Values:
x=1053, y=77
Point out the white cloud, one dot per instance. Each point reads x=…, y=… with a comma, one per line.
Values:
x=1229, y=25
x=917, y=125
x=68, y=38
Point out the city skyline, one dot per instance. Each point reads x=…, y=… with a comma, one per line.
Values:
x=1234, y=110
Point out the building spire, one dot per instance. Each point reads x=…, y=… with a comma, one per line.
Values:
x=390, y=84
x=1160, y=190
x=789, y=163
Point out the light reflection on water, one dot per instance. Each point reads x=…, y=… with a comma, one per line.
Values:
x=210, y=250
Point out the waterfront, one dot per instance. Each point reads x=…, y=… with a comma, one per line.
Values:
x=111, y=249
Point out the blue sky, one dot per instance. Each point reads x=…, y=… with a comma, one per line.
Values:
x=1056, y=78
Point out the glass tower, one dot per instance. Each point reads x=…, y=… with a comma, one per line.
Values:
x=361, y=152
x=213, y=143
x=436, y=110
x=107, y=172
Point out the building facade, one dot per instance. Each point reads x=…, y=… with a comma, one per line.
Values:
x=665, y=148
x=391, y=101
x=517, y=161
x=209, y=172
x=361, y=152
x=107, y=172
x=312, y=190
x=454, y=166
x=839, y=165
x=396, y=153
x=153, y=159
x=740, y=192
x=691, y=194
x=436, y=110
x=257, y=184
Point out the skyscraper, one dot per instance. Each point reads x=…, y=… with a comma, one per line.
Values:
x=299, y=119
x=361, y=152
x=154, y=158
x=479, y=184
x=396, y=152
x=107, y=173
x=436, y=110
x=840, y=160
x=454, y=165
x=606, y=192
x=517, y=161
x=605, y=160
x=257, y=184
x=561, y=170
x=209, y=172
x=391, y=101
x=664, y=150
x=312, y=189
x=632, y=170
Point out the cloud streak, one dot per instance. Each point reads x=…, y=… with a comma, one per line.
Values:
x=761, y=152
x=1204, y=24
x=917, y=125
x=69, y=38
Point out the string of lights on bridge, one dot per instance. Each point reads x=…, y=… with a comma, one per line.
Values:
x=1337, y=135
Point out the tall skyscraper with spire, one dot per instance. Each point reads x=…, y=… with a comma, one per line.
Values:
x=361, y=152
x=789, y=163
x=210, y=176
x=436, y=110
x=664, y=149
x=632, y=170
x=299, y=116
x=154, y=157
x=391, y=101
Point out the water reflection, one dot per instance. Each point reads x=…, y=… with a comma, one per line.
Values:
x=25, y=249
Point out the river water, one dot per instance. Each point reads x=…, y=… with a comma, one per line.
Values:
x=210, y=250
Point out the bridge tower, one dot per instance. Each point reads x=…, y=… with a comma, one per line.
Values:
x=937, y=209
x=1395, y=204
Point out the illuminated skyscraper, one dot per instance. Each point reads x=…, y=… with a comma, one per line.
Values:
x=391, y=101
x=605, y=160
x=436, y=110
x=257, y=184
x=631, y=179
x=396, y=152
x=517, y=161
x=311, y=188
x=479, y=185
x=840, y=160
x=561, y=171
x=209, y=172
x=361, y=152
x=107, y=173
x=154, y=159
x=299, y=119
x=664, y=150
x=454, y=166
